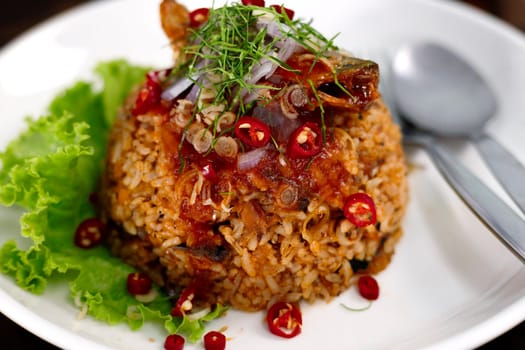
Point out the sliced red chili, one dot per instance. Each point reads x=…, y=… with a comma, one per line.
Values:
x=252, y=131
x=199, y=17
x=138, y=283
x=284, y=10
x=148, y=97
x=360, y=209
x=368, y=287
x=284, y=319
x=306, y=141
x=214, y=340
x=184, y=303
x=89, y=233
x=209, y=173
x=259, y=3
x=174, y=342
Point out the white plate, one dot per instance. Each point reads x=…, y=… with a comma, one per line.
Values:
x=451, y=283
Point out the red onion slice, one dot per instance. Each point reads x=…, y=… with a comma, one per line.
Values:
x=273, y=28
x=194, y=93
x=176, y=89
x=181, y=85
x=264, y=68
x=281, y=126
x=249, y=160
x=286, y=44
x=287, y=47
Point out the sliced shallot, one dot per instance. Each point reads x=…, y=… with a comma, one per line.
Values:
x=294, y=97
x=280, y=125
x=202, y=141
x=194, y=93
x=179, y=86
x=250, y=159
x=176, y=89
x=225, y=120
x=226, y=147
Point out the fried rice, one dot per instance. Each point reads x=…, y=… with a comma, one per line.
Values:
x=269, y=228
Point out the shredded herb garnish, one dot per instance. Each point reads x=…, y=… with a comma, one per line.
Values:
x=228, y=55
x=307, y=167
x=225, y=194
x=226, y=49
x=275, y=143
x=321, y=109
x=342, y=87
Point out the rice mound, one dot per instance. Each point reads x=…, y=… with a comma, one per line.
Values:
x=275, y=231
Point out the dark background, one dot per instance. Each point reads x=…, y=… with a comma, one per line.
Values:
x=18, y=15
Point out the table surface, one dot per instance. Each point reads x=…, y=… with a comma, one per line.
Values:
x=17, y=16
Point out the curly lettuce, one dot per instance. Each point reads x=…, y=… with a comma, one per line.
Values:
x=50, y=170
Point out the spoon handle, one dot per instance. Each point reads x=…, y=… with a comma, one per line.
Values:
x=492, y=211
x=505, y=167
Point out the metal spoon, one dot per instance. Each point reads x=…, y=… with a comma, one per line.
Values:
x=489, y=208
x=438, y=91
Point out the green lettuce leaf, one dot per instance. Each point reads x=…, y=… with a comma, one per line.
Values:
x=50, y=170
x=106, y=296
x=118, y=76
x=193, y=328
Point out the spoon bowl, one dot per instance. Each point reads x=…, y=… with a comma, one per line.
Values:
x=438, y=91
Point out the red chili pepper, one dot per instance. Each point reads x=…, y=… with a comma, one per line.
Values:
x=199, y=17
x=184, y=302
x=138, y=283
x=259, y=3
x=368, y=287
x=284, y=319
x=148, y=97
x=214, y=340
x=306, y=141
x=284, y=10
x=360, y=209
x=89, y=233
x=252, y=131
x=174, y=342
x=209, y=173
